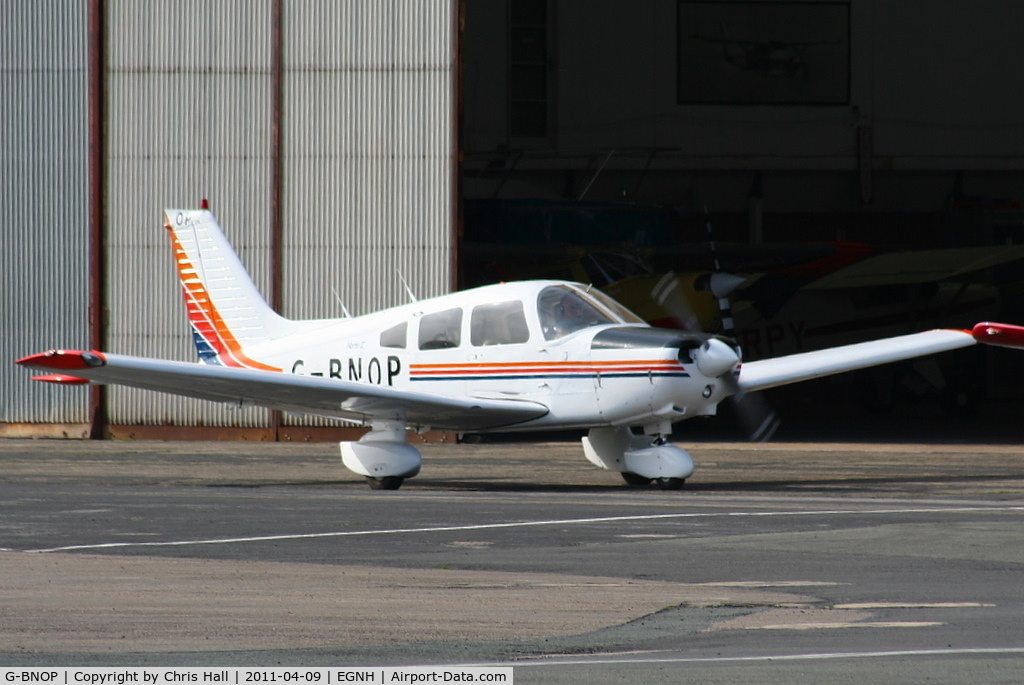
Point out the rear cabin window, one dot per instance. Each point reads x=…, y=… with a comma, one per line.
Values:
x=500, y=323
x=441, y=330
x=395, y=336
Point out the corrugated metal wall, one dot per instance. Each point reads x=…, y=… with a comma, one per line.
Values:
x=43, y=201
x=368, y=153
x=367, y=171
x=188, y=117
x=367, y=159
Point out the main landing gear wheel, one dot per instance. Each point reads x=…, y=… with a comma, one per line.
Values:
x=385, y=483
x=635, y=480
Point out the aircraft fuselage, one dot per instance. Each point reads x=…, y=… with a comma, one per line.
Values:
x=590, y=371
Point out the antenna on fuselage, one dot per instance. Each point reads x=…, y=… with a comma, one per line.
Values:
x=412, y=296
x=348, y=314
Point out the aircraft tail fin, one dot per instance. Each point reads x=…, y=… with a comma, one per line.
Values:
x=225, y=309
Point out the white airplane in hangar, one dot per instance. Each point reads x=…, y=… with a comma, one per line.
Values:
x=520, y=356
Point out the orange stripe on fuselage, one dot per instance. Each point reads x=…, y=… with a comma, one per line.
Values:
x=549, y=365
x=205, y=317
x=526, y=367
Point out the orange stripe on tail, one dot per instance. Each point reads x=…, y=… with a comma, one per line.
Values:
x=203, y=315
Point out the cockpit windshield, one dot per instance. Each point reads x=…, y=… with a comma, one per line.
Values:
x=614, y=307
x=564, y=310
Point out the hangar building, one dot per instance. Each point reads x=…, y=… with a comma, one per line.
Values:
x=342, y=143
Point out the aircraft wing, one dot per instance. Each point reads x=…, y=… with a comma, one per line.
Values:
x=303, y=394
x=922, y=266
x=770, y=373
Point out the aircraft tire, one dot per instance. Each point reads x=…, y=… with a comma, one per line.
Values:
x=635, y=479
x=671, y=483
x=385, y=483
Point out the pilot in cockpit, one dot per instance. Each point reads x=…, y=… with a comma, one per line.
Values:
x=573, y=317
x=563, y=311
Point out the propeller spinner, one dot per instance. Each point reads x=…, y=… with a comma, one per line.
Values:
x=715, y=357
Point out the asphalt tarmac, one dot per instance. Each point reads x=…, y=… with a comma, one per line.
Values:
x=796, y=561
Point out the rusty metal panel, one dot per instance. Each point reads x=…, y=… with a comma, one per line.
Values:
x=43, y=192
x=188, y=107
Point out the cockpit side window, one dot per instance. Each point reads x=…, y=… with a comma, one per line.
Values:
x=441, y=330
x=562, y=311
x=499, y=323
x=394, y=336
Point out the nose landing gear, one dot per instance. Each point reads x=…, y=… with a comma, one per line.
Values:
x=641, y=459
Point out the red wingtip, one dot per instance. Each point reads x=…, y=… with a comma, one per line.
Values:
x=64, y=360
x=61, y=379
x=999, y=334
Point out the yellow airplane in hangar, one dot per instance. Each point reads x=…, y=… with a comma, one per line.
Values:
x=520, y=356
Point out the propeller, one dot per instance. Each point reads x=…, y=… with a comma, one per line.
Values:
x=756, y=417
x=716, y=358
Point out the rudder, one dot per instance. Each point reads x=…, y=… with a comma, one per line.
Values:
x=226, y=310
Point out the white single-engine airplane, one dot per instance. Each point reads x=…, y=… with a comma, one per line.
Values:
x=530, y=355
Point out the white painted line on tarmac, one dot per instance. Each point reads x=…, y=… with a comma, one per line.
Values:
x=612, y=660
x=770, y=583
x=842, y=625
x=534, y=524
x=859, y=606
